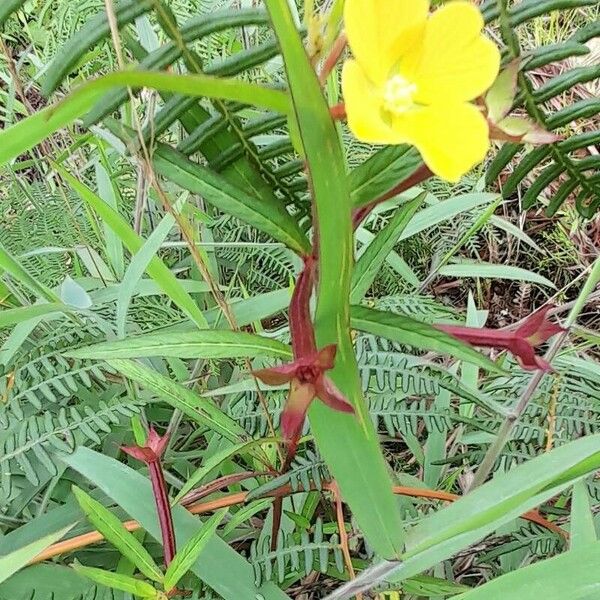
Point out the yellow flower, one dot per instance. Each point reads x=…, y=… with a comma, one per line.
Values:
x=413, y=78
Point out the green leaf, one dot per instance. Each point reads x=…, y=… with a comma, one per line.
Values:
x=138, y=265
x=372, y=259
x=348, y=443
x=221, y=567
x=114, y=531
x=204, y=343
x=12, y=316
x=267, y=215
x=211, y=463
x=187, y=556
x=14, y=560
x=493, y=271
x=583, y=529
x=14, y=268
x=507, y=496
x=156, y=268
x=74, y=295
x=405, y=330
x=28, y=132
x=8, y=7
x=381, y=172
x=125, y=583
x=501, y=96
x=443, y=211
x=198, y=408
x=572, y=575
x=94, y=30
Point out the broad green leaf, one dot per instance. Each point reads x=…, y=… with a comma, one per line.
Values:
x=14, y=268
x=16, y=559
x=220, y=566
x=493, y=271
x=28, y=132
x=267, y=215
x=114, y=531
x=12, y=316
x=405, y=330
x=569, y=576
x=156, y=268
x=125, y=583
x=201, y=410
x=348, y=443
x=583, y=529
x=187, y=556
x=381, y=172
x=43, y=580
x=204, y=343
x=372, y=259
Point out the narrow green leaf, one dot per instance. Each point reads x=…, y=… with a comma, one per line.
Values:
x=493, y=271
x=503, y=499
x=583, y=529
x=443, y=211
x=221, y=567
x=267, y=215
x=348, y=443
x=94, y=30
x=12, y=316
x=28, y=132
x=405, y=330
x=204, y=343
x=14, y=560
x=8, y=7
x=211, y=463
x=138, y=265
x=156, y=268
x=187, y=556
x=14, y=268
x=201, y=410
x=114, y=246
x=116, y=581
x=381, y=172
x=114, y=531
x=372, y=259
x=572, y=575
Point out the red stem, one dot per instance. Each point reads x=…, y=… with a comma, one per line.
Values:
x=301, y=327
x=163, y=508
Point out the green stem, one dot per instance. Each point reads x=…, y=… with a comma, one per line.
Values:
x=495, y=450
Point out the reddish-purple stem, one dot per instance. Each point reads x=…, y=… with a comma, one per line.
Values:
x=163, y=508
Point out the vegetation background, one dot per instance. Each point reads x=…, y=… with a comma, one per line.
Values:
x=88, y=254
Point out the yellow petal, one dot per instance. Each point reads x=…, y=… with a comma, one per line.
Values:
x=381, y=31
x=363, y=107
x=455, y=61
x=452, y=139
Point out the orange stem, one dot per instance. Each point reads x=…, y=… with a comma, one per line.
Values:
x=93, y=537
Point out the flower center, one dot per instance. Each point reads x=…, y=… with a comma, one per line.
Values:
x=308, y=374
x=398, y=94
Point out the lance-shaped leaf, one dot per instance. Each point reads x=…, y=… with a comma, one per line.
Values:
x=113, y=530
x=125, y=583
x=348, y=443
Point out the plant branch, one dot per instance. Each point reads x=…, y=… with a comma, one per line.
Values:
x=503, y=436
x=236, y=498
